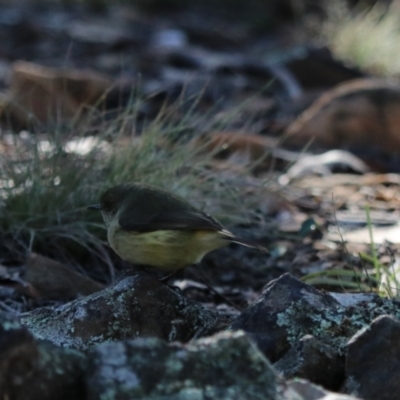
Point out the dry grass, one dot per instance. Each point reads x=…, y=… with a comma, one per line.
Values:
x=367, y=39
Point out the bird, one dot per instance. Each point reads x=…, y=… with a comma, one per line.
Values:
x=152, y=227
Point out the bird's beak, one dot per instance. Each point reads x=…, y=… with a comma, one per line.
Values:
x=95, y=207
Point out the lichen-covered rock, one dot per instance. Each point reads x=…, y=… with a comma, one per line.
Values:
x=31, y=370
x=137, y=306
x=224, y=367
x=373, y=361
x=315, y=361
x=289, y=309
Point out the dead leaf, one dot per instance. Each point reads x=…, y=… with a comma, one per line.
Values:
x=50, y=94
x=251, y=147
x=362, y=113
x=55, y=281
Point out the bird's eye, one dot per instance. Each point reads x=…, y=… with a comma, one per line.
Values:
x=107, y=205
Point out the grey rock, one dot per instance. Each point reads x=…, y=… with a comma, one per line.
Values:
x=137, y=306
x=315, y=361
x=289, y=309
x=30, y=370
x=373, y=361
x=224, y=367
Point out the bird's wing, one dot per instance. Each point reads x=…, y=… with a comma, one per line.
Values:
x=179, y=220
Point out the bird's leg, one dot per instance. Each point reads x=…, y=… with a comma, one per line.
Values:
x=148, y=270
x=167, y=277
x=208, y=284
x=131, y=272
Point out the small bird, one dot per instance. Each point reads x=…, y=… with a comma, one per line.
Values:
x=152, y=227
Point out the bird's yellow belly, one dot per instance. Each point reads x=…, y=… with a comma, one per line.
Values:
x=167, y=249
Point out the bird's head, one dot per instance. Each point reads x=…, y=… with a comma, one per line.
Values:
x=111, y=201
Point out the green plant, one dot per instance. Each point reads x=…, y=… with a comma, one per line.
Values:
x=387, y=279
x=342, y=278
x=372, y=276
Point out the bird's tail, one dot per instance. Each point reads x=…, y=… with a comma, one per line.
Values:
x=249, y=243
x=244, y=242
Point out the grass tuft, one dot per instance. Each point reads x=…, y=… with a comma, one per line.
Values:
x=48, y=181
x=367, y=39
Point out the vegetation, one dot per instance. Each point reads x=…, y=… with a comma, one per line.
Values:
x=367, y=39
x=48, y=183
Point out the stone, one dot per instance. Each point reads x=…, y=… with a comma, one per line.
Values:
x=224, y=367
x=373, y=361
x=289, y=309
x=315, y=361
x=137, y=306
x=30, y=370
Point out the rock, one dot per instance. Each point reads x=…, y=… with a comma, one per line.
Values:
x=315, y=361
x=354, y=299
x=37, y=371
x=224, y=367
x=137, y=306
x=373, y=361
x=289, y=309
x=55, y=281
x=286, y=311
